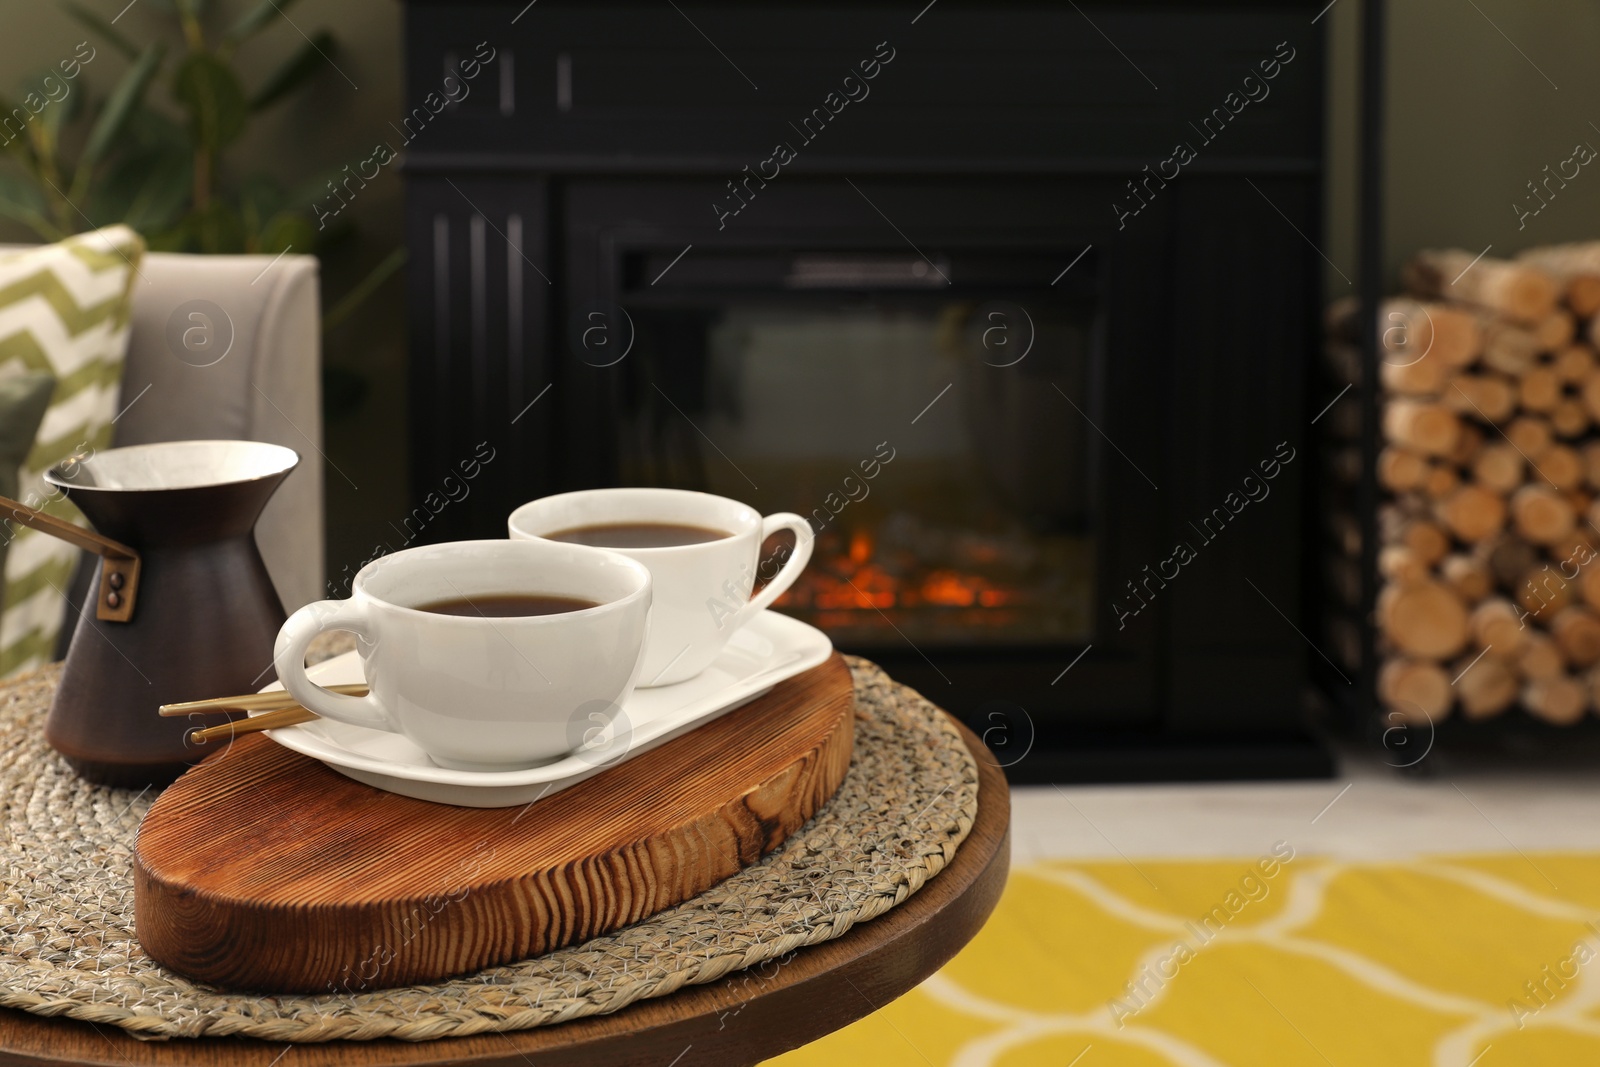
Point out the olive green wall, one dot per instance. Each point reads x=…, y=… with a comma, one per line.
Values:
x=1476, y=110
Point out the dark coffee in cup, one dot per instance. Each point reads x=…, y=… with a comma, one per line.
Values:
x=508, y=605
x=638, y=535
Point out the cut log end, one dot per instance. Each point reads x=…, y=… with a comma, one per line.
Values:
x=1426, y=620
x=1541, y=514
x=1559, y=700
x=1497, y=625
x=1577, y=631
x=1468, y=576
x=1427, y=427
x=1583, y=294
x=1485, y=687
x=1473, y=513
x=1499, y=467
x=1540, y=657
x=1417, y=691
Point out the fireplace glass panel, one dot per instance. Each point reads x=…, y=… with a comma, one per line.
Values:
x=936, y=440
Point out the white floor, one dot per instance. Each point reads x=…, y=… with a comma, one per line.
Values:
x=1371, y=811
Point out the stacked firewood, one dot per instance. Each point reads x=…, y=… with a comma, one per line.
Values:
x=1490, y=531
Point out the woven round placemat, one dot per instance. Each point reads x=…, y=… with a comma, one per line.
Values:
x=67, y=944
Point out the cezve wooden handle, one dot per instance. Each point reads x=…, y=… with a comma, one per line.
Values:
x=119, y=570
x=119, y=563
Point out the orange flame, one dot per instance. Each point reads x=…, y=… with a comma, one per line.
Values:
x=852, y=581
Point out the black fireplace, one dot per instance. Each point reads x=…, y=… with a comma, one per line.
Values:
x=1011, y=301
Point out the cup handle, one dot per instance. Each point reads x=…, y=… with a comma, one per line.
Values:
x=783, y=520
x=290, y=659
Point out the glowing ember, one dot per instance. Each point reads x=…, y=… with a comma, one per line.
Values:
x=849, y=579
x=860, y=547
x=898, y=577
x=951, y=589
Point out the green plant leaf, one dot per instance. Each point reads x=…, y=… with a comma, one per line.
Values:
x=260, y=199
x=310, y=190
x=24, y=201
x=13, y=136
x=287, y=230
x=173, y=239
x=256, y=19
x=210, y=91
x=147, y=187
x=298, y=69
x=323, y=207
x=122, y=103
x=159, y=201
x=216, y=229
x=57, y=111
x=74, y=105
x=14, y=131
x=190, y=8
x=147, y=179
x=149, y=130
x=150, y=127
x=101, y=28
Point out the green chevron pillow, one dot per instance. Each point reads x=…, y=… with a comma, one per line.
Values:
x=64, y=310
x=24, y=398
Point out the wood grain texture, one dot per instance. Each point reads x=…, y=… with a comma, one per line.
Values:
x=261, y=869
x=735, y=1021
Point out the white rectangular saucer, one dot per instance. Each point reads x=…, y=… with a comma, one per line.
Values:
x=770, y=648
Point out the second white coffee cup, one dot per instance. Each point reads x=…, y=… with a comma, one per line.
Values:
x=701, y=591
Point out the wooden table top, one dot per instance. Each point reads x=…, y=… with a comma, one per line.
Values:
x=744, y=1018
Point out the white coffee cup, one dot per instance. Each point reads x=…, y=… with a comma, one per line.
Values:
x=478, y=693
x=702, y=591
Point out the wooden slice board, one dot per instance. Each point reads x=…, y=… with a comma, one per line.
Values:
x=261, y=869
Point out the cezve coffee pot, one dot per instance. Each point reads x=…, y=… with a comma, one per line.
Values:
x=182, y=605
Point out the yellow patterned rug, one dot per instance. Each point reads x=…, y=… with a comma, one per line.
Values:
x=1489, y=960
